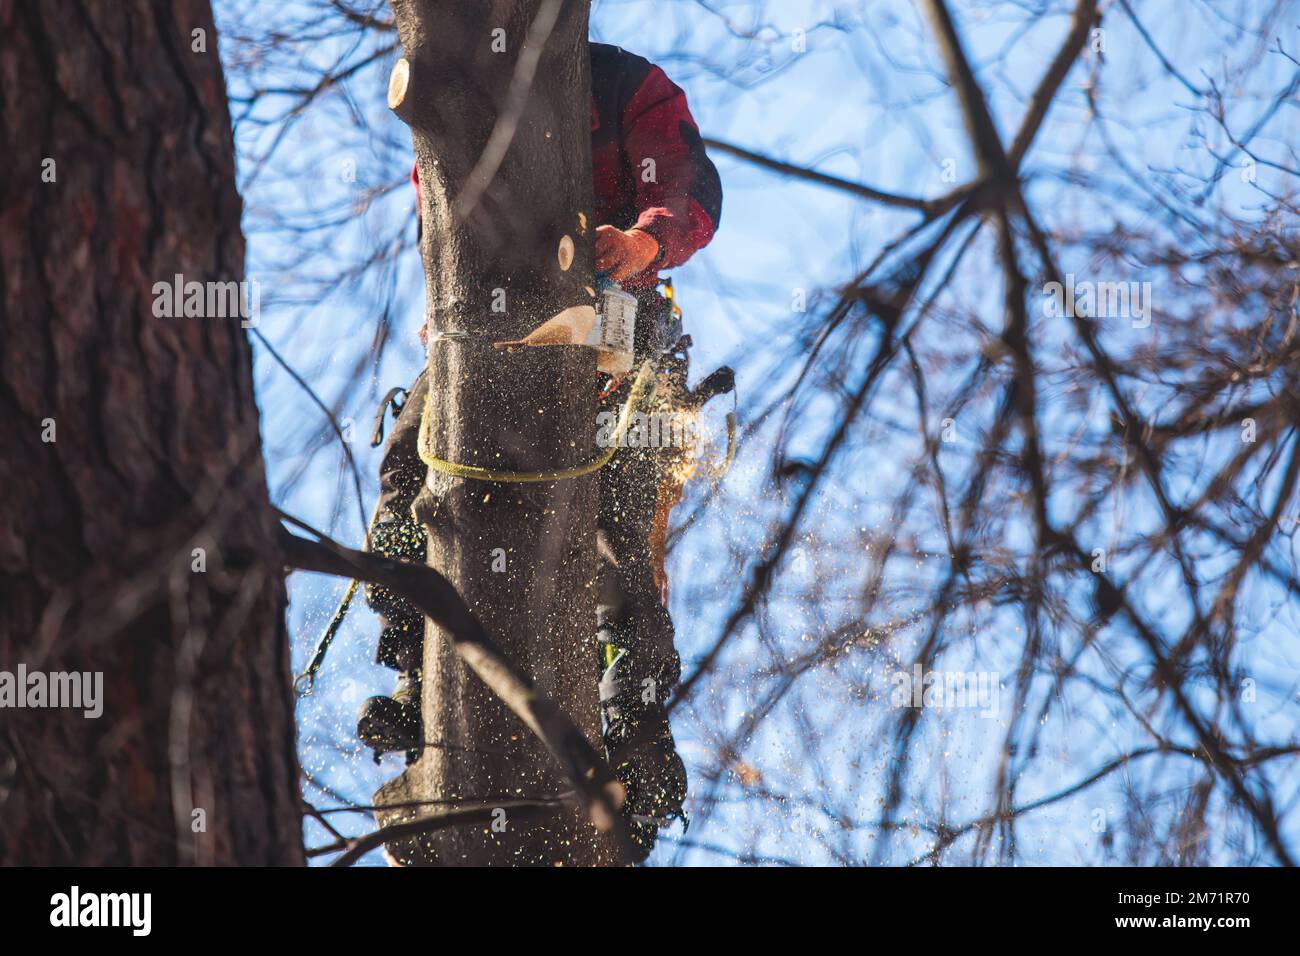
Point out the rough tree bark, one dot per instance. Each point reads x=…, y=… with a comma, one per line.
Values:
x=129, y=441
x=497, y=96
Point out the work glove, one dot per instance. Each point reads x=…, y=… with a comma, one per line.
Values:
x=623, y=254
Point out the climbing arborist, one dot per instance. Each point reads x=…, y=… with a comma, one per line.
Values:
x=657, y=201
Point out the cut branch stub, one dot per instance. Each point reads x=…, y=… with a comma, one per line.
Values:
x=398, y=82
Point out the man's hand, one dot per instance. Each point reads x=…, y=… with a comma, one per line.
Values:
x=622, y=255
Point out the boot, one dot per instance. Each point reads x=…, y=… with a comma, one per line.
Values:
x=387, y=724
x=639, y=745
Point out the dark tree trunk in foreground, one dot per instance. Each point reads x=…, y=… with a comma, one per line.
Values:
x=504, y=159
x=136, y=537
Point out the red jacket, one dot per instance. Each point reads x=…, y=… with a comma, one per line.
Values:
x=649, y=167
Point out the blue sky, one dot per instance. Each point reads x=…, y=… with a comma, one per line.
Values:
x=855, y=95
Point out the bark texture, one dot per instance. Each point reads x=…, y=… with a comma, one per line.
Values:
x=155, y=453
x=505, y=167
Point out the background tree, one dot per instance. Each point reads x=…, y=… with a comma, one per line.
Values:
x=136, y=538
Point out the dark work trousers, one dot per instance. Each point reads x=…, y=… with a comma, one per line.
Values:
x=629, y=610
x=628, y=599
x=396, y=534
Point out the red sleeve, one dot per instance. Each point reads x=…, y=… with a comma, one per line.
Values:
x=678, y=192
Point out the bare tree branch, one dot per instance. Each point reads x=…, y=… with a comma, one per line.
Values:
x=599, y=791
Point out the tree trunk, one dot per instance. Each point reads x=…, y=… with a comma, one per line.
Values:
x=136, y=536
x=505, y=166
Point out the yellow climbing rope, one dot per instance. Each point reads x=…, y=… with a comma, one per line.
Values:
x=639, y=397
